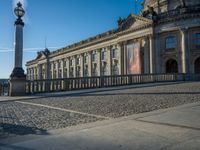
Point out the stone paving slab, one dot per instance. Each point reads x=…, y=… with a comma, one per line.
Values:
x=187, y=119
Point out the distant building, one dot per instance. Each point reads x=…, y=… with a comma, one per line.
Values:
x=165, y=38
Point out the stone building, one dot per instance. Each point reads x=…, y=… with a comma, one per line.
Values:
x=164, y=38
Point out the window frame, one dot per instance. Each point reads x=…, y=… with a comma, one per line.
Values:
x=169, y=43
x=197, y=40
x=114, y=53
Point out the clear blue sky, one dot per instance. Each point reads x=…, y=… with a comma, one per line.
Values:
x=63, y=22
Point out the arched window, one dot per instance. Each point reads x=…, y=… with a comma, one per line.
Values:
x=197, y=66
x=170, y=42
x=171, y=66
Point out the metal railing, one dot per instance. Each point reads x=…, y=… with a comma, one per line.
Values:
x=68, y=84
x=4, y=87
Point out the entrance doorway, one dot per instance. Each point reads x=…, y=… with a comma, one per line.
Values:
x=171, y=66
x=197, y=66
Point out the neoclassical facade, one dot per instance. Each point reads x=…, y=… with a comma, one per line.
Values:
x=164, y=38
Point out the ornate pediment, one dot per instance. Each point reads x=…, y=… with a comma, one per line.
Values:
x=43, y=54
x=133, y=21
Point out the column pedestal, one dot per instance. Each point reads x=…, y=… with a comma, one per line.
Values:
x=17, y=83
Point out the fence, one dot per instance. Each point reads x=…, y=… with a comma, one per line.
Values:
x=69, y=84
x=4, y=87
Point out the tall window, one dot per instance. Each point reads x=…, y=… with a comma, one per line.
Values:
x=170, y=42
x=86, y=59
x=94, y=57
x=78, y=61
x=114, y=53
x=71, y=62
x=103, y=54
x=197, y=40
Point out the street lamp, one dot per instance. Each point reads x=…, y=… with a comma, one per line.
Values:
x=18, y=78
x=19, y=11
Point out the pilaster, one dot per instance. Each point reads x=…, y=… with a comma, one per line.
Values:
x=151, y=54
x=109, y=60
x=185, y=53
x=90, y=64
x=98, y=62
x=125, y=57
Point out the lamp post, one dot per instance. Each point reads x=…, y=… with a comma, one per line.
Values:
x=18, y=78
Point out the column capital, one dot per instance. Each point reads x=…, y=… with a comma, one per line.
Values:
x=183, y=29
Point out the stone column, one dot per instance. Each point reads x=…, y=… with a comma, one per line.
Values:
x=82, y=65
x=74, y=66
x=89, y=64
x=119, y=52
x=39, y=68
x=57, y=69
x=98, y=62
x=185, y=54
x=68, y=67
x=47, y=70
x=18, y=78
x=146, y=55
x=109, y=58
x=125, y=57
x=151, y=53
x=52, y=70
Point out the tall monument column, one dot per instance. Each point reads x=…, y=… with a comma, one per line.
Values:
x=18, y=78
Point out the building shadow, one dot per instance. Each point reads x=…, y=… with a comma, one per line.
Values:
x=7, y=130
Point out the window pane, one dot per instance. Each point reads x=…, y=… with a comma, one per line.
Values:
x=170, y=42
x=197, y=39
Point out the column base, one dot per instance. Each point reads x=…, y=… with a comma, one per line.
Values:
x=17, y=87
x=18, y=73
x=17, y=83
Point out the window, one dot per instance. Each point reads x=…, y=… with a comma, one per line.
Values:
x=78, y=61
x=86, y=71
x=94, y=56
x=94, y=70
x=71, y=62
x=114, y=53
x=78, y=72
x=86, y=59
x=103, y=54
x=59, y=64
x=65, y=64
x=71, y=72
x=197, y=40
x=170, y=42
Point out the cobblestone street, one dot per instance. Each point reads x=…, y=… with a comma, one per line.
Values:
x=42, y=114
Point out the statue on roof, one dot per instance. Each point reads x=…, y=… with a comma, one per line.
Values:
x=183, y=3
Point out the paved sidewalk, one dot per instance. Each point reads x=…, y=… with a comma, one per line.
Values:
x=167, y=129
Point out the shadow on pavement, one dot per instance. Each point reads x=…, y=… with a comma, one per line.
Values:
x=13, y=147
x=11, y=129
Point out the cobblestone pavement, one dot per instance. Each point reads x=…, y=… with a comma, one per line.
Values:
x=22, y=119
x=128, y=101
x=40, y=115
